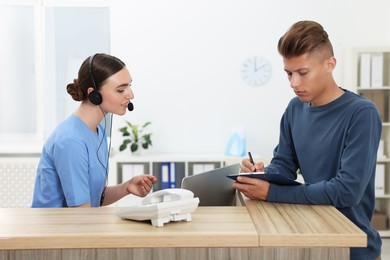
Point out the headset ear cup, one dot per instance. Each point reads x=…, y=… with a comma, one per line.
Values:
x=95, y=97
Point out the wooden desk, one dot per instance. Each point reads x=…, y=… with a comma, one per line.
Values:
x=258, y=231
x=101, y=228
x=294, y=225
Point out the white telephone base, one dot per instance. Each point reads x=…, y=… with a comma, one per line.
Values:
x=163, y=206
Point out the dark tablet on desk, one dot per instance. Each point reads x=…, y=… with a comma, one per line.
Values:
x=271, y=177
x=212, y=187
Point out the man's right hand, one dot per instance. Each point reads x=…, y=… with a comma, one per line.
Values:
x=247, y=166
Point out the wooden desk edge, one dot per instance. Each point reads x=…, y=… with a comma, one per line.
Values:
x=354, y=238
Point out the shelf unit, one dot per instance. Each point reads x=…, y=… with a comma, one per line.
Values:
x=373, y=81
x=123, y=166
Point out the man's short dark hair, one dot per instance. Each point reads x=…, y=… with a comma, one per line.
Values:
x=305, y=37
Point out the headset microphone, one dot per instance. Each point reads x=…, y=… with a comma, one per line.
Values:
x=130, y=106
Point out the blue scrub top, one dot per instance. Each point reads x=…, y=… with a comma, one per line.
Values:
x=73, y=167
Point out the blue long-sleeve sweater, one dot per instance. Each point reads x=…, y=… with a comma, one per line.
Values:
x=335, y=148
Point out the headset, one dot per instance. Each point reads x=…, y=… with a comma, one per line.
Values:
x=95, y=97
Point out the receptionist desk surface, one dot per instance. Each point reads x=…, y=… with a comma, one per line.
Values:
x=280, y=231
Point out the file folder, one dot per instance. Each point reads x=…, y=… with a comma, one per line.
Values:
x=165, y=175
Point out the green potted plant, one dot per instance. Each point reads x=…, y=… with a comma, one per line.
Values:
x=135, y=137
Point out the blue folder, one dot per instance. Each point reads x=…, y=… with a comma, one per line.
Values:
x=271, y=177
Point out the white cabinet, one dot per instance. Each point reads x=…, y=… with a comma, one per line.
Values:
x=371, y=78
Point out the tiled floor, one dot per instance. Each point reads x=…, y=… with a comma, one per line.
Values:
x=385, y=248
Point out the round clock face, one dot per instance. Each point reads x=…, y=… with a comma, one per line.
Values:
x=256, y=71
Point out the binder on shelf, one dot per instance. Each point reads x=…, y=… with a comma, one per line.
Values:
x=165, y=175
x=197, y=168
x=381, y=150
x=138, y=169
x=172, y=175
x=168, y=175
x=208, y=167
x=377, y=70
x=386, y=69
x=130, y=170
x=380, y=180
x=202, y=167
x=365, y=70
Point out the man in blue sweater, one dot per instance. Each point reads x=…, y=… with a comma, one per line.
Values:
x=328, y=133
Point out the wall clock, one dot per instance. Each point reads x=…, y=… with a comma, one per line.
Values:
x=256, y=71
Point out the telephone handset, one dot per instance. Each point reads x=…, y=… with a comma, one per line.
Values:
x=163, y=206
x=167, y=195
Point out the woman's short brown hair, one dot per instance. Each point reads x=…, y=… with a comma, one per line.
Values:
x=305, y=37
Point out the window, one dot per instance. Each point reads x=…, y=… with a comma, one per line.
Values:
x=43, y=45
x=18, y=88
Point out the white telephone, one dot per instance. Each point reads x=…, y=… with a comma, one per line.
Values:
x=163, y=206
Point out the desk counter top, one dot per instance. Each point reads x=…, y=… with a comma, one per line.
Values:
x=31, y=228
x=294, y=225
x=259, y=224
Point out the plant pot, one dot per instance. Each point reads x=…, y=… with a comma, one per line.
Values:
x=137, y=153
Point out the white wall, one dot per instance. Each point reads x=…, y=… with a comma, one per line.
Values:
x=185, y=57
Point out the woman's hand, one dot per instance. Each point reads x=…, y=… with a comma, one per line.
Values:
x=141, y=185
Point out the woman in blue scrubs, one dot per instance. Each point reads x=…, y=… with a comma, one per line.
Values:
x=73, y=168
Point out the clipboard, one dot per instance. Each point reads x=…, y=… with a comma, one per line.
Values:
x=271, y=177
